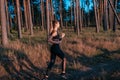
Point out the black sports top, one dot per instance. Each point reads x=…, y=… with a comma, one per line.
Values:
x=57, y=37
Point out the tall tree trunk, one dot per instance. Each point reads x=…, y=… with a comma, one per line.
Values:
x=74, y=16
x=33, y=16
x=30, y=18
x=18, y=18
x=3, y=23
x=114, y=19
x=105, y=19
x=80, y=17
x=42, y=13
x=48, y=19
x=21, y=19
x=61, y=21
x=77, y=17
x=71, y=12
x=51, y=13
x=101, y=10
x=107, y=15
x=0, y=17
x=25, y=14
x=111, y=15
x=118, y=19
x=96, y=16
x=7, y=18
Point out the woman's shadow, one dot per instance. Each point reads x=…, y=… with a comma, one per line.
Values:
x=19, y=66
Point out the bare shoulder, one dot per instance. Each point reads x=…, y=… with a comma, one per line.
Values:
x=54, y=33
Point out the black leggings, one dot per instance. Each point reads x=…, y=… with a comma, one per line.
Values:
x=55, y=51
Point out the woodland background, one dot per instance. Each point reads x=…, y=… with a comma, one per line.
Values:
x=91, y=44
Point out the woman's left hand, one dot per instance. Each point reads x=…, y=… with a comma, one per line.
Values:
x=62, y=35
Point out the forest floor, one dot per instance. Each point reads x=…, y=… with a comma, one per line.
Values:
x=90, y=56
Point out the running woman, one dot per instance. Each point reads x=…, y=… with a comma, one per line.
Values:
x=55, y=39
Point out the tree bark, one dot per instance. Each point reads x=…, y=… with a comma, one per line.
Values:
x=51, y=13
x=105, y=18
x=80, y=17
x=33, y=16
x=3, y=23
x=48, y=19
x=74, y=16
x=42, y=14
x=101, y=10
x=71, y=12
x=114, y=19
x=18, y=19
x=111, y=16
x=114, y=11
x=77, y=17
x=30, y=18
x=7, y=18
x=61, y=21
x=25, y=14
x=96, y=16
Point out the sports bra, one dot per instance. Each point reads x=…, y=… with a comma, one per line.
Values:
x=56, y=37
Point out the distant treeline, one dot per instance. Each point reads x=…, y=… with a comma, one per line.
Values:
x=25, y=15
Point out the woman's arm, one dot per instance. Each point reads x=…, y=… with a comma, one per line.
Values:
x=53, y=41
x=62, y=36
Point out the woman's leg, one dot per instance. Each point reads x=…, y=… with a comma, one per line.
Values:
x=61, y=54
x=52, y=62
x=63, y=65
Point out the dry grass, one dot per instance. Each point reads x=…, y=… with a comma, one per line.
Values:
x=81, y=51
